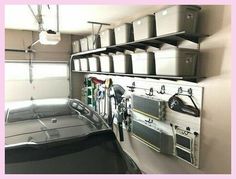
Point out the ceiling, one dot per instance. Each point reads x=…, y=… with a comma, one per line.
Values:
x=73, y=18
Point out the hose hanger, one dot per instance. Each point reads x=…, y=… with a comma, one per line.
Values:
x=177, y=104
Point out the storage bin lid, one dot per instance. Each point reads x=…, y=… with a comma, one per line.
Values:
x=125, y=24
x=179, y=8
x=175, y=52
x=140, y=53
x=144, y=17
x=93, y=58
x=83, y=59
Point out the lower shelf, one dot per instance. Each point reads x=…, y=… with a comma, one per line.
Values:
x=187, y=78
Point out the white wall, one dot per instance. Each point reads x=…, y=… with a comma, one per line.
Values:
x=21, y=39
x=216, y=66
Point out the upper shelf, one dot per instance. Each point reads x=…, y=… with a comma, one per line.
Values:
x=186, y=78
x=171, y=39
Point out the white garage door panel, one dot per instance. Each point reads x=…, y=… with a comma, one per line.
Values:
x=49, y=81
x=52, y=88
x=17, y=90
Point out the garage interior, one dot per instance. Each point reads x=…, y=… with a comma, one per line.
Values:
x=153, y=129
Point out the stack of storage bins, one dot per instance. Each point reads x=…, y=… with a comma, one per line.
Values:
x=176, y=61
x=144, y=62
x=170, y=62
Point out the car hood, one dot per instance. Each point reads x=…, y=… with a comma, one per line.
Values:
x=43, y=122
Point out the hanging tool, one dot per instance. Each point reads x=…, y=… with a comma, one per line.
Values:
x=120, y=118
x=108, y=108
x=177, y=104
x=98, y=93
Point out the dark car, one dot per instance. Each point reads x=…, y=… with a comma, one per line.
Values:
x=63, y=136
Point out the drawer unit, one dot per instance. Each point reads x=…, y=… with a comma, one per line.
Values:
x=123, y=33
x=76, y=46
x=143, y=63
x=185, y=146
x=94, y=64
x=77, y=65
x=93, y=42
x=107, y=38
x=106, y=63
x=176, y=62
x=84, y=44
x=122, y=63
x=84, y=64
x=177, y=18
x=144, y=27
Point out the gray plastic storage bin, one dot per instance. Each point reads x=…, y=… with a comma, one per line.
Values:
x=107, y=38
x=144, y=27
x=176, y=62
x=77, y=65
x=93, y=42
x=177, y=18
x=122, y=63
x=94, y=64
x=123, y=33
x=106, y=63
x=76, y=46
x=143, y=63
x=84, y=64
x=84, y=44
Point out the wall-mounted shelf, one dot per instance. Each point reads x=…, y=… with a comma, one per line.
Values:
x=188, y=78
x=171, y=39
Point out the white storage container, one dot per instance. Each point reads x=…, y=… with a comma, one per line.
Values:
x=94, y=64
x=144, y=27
x=77, y=65
x=176, y=62
x=143, y=63
x=76, y=46
x=122, y=63
x=93, y=42
x=177, y=18
x=123, y=33
x=84, y=64
x=107, y=38
x=106, y=63
x=84, y=44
